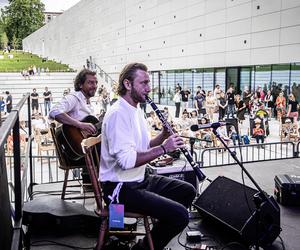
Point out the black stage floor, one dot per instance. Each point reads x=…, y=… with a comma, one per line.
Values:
x=216, y=235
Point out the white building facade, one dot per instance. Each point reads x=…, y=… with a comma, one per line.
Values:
x=197, y=36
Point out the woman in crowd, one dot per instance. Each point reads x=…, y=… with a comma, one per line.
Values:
x=241, y=108
x=280, y=105
x=293, y=108
x=210, y=105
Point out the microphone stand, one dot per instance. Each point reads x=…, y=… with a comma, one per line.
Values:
x=192, y=141
x=259, y=198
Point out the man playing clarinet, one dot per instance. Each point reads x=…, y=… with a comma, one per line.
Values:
x=126, y=148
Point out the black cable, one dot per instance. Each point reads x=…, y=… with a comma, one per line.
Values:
x=282, y=242
x=232, y=244
x=181, y=244
x=242, y=172
x=51, y=242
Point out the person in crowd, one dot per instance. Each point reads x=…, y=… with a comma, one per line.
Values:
x=34, y=101
x=194, y=117
x=217, y=91
x=269, y=103
x=230, y=103
x=75, y=106
x=113, y=94
x=105, y=101
x=199, y=102
x=126, y=149
x=8, y=102
x=47, y=100
x=280, y=105
x=2, y=104
x=234, y=136
x=241, y=108
x=210, y=105
x=222, y=103
x=293, y=108
x=258, y=131
x=177, y=101
x=185, y=98
x=247, y=94
x=205, y=134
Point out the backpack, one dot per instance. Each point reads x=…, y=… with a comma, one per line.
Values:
x=246, y=139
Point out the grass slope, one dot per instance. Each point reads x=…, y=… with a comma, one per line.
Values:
x=22, y=60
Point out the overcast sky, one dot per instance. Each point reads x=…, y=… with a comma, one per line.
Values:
x=51, y=5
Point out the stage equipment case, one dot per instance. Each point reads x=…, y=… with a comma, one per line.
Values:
x=287, y=189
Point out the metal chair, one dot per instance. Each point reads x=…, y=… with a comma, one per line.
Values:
x=92, y=161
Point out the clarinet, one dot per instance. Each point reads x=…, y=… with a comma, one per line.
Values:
x=201, y=177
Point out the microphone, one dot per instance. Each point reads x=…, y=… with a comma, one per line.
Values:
x=213, y=125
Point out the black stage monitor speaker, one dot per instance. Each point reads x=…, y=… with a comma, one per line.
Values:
x=232, y=204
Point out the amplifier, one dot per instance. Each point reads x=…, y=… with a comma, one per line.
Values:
x=185, y=173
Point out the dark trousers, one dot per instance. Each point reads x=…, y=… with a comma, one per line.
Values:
x=160, y=197
x=221, y=113
x=177, y=111
x=260, y=137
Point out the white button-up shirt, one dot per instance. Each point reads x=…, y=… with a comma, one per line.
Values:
x=124, y=133
x=74, y=104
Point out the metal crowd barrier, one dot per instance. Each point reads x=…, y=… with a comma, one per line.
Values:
x=212, y=157
x=16, y=188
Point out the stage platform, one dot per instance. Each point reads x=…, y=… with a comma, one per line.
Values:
x=262, y=172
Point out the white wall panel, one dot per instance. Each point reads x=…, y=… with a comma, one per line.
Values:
x=238, y=12
x=290, y=35
x=286, y=4
x=238, y=42
x=120, y=31
x=238, y=27
x=289, y=53
x=265, y=55
x=266, y=22
x=239, y=57
x=262, y=7
x=290, y=17
x=265, y=39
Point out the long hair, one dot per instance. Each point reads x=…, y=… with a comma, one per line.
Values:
x=81, y=77
x=128, y=73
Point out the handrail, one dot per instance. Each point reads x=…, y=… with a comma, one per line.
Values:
x=12, y=123
x=103, y=73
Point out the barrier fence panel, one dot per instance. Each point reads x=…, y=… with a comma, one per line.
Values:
x=249, y=153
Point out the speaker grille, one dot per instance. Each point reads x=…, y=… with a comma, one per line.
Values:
x=227, y=201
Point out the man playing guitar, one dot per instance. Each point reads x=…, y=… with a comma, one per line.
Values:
x=74, y=107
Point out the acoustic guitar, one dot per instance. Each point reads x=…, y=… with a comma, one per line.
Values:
x=70, y=137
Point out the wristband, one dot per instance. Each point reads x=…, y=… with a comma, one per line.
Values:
x=164, y=149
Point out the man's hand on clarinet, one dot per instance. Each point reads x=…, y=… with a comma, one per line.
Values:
x=173, y=142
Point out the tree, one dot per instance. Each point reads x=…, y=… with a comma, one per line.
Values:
x=4, y=40
x=21, y=18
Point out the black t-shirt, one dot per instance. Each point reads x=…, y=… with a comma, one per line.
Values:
x=47, y=94
x=294, y=105
x=184, y=95
x=34, y=95
x=230, y=98
x=9, y=99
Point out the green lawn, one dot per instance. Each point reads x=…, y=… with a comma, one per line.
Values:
x=22, y=60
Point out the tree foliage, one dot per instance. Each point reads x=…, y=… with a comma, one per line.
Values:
x=21, y=18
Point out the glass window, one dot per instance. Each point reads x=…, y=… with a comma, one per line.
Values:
x=179, y=78
x=155, y=86
x=198, y=78
x=220, y=78
x=171, y=86
x=262, y=76
x=245, y=78
x=163, y=88
x=295, y=80
x=281, y=77
x=208, y=79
